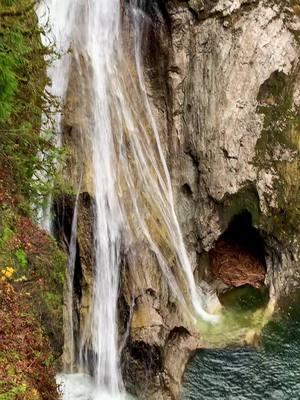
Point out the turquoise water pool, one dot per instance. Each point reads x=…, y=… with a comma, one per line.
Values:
x=271, y=371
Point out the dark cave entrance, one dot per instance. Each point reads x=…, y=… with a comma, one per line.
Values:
x=242, y=232
x=238, y=257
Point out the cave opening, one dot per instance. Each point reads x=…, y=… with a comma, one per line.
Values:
x=187, y=190
x=241, y=231
x=238, y=257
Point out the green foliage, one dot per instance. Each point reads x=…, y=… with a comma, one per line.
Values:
x=9, y=3
x=31, y=263
x=26, y=155
x=8, y=83
x=14, y=392
x=22, y=259
x=5, y=235
x=12, y=254
x=36, y=259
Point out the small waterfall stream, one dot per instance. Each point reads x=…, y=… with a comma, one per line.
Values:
x=52, y=15
x=128, y=162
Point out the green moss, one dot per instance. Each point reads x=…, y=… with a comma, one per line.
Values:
x=26, y=370
x=245, y=298
x=281, y=130
x=22, y=259
x=276, y=103
x=5, y=234
x=14, y=392
x=49, y=297
x=245, y=199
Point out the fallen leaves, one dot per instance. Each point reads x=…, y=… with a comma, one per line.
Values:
x=24, y=350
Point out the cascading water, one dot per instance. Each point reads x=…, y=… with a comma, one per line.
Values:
x=97, y=42
x=128, y=163
x=52, y=16
x=149, y=176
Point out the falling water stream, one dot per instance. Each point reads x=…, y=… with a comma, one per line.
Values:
x=131, y=181
x=53, y=15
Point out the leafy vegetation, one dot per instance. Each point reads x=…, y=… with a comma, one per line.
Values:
x=26, y=370
x=25, y=154
x=31, y=302
x=31, y=263
x=30, y=257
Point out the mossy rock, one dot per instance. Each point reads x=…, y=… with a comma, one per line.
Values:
x=245, y=298
x=245, y=199
x=281, y=134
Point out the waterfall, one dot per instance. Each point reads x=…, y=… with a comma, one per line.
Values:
x=52, y=15
x=97, y=42
x=127, y=161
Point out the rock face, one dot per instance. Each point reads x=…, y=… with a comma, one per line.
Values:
x=160, y=338
x=230, y=94
x=221, y=63
x=224, y=83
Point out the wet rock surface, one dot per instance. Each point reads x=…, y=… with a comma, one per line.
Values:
x=221, y=60
x=212, y=93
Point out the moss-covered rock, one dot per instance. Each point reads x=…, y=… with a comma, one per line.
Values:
x=245, y=199
x=278, y=150
x=31, y=283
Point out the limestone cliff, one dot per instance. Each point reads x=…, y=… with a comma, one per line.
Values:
x=224, y=83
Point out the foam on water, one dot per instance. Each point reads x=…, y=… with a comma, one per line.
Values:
x=82, y=387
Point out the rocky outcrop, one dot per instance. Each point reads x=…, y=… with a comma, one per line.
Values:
x=158, y=330
x=231, y=100
x=224, y=83
x=221, y=63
